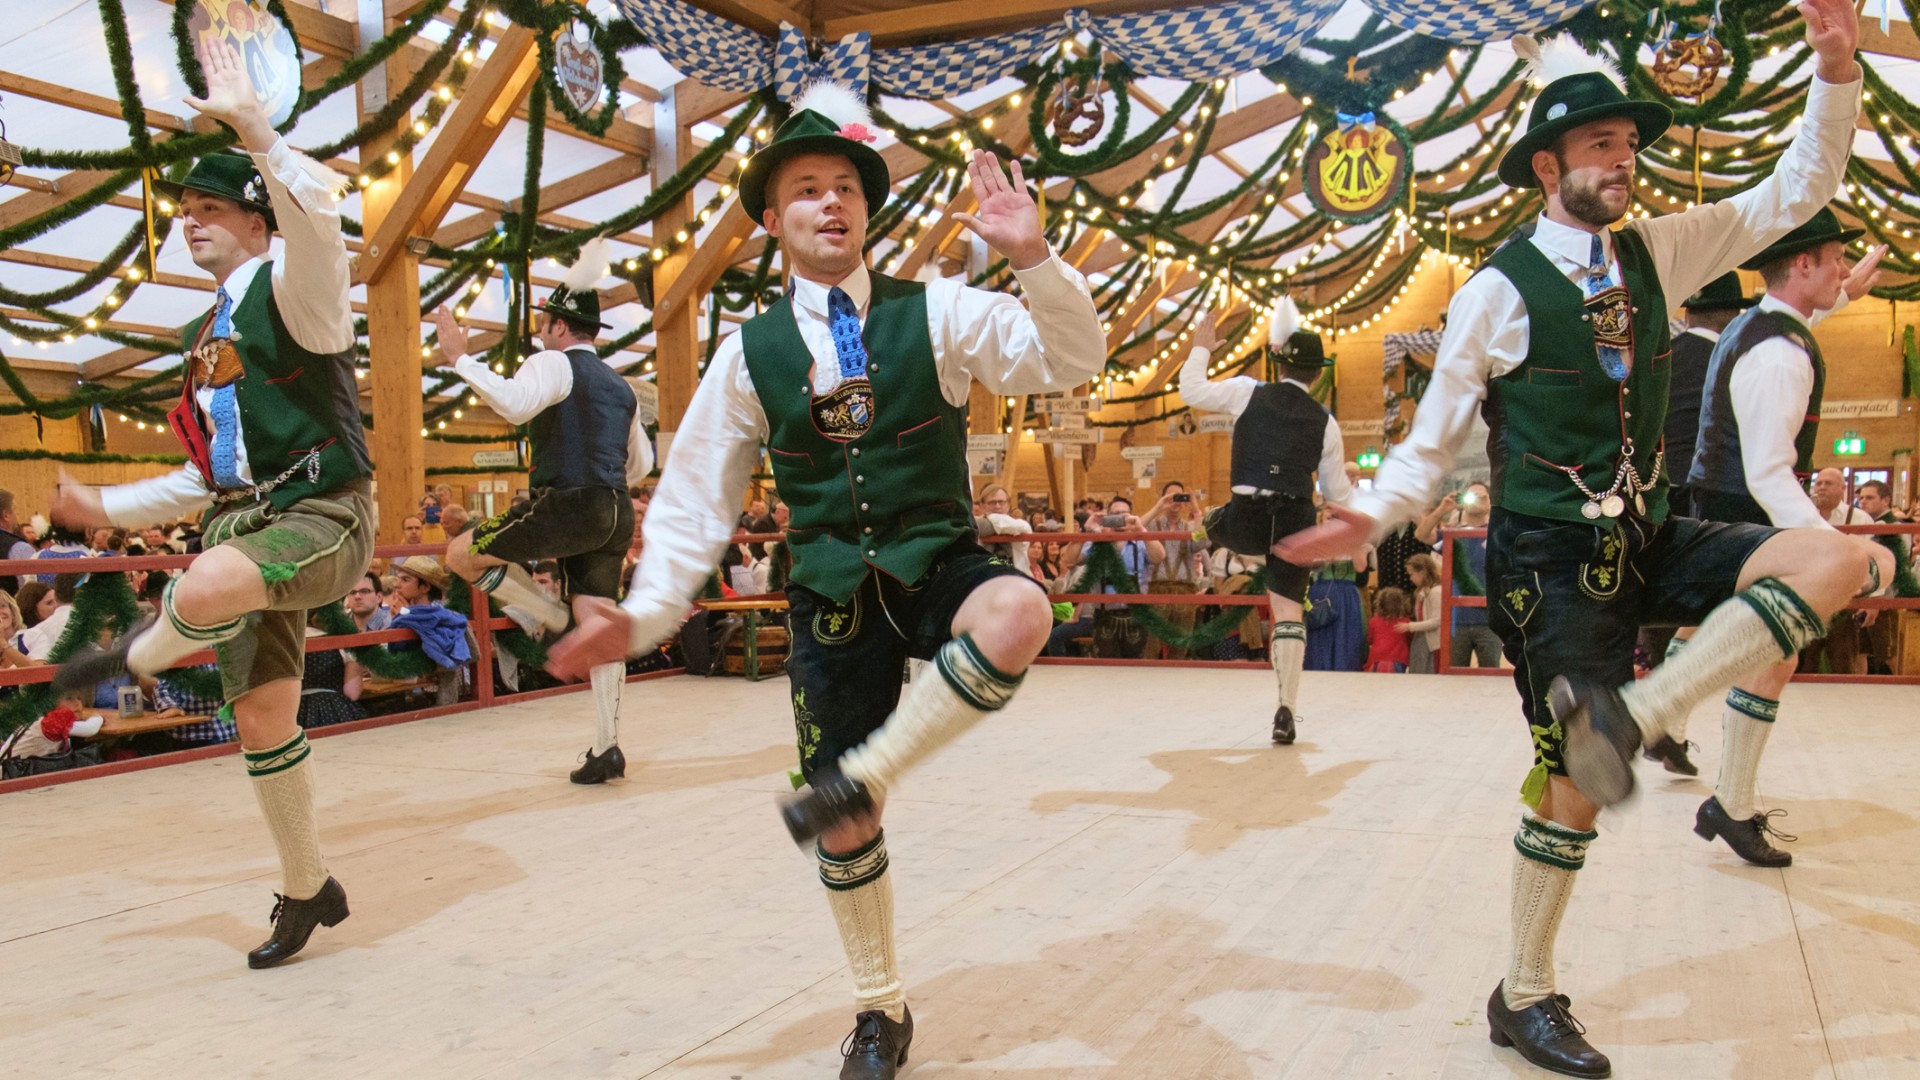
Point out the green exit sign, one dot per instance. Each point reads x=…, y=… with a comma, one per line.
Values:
x=1369, y=458
x=1849, y=445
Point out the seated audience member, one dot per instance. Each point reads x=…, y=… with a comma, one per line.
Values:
x=149, y=587
x=51, y=737
x=45, y=634
x=546, y=575
x=455, y=520
x=36, y=602
x=996, y=505
x=330, y=686
x=170, y=699
x=157, y=541
x=1423, y=632
x=63, y=545
x=366, y=602
x=417, y=580
x=1112, y=626
x=1387, y=632
x=412, y=530
x=12, y=637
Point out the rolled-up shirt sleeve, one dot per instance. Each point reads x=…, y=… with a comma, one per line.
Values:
x=544, y=380
x=1228, y=396
x=311, y=280
x=1770, y=390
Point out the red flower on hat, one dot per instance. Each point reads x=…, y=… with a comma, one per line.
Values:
x=858, y=133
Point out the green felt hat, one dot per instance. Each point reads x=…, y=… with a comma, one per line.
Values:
x=1580, y=88
x=814, y=129
x=1822, y=228
x=1302, y=348
x=228, y=175
x=1721, y=294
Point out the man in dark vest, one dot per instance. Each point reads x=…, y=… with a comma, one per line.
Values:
x=1561, y=342
x=1281, y=438
x=12, y=544
x=269, y=416
x=1707, y=312
x=1760, y=417
x=858, y=384
x=588, y=445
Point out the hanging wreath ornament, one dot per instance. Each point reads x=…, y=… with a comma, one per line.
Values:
x=1689, y=66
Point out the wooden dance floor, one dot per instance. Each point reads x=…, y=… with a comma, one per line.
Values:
x=1116, y=878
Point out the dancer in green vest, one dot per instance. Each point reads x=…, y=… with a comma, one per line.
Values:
x=1561, y=342
x=589, y=446
x=858, y=384
x=269, y=416
x=1760, y=415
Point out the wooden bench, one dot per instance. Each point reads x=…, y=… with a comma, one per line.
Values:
x=761, y=650
x=116, y=726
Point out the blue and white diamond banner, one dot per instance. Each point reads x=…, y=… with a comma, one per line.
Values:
x=1209, y=42
x=1476, y=22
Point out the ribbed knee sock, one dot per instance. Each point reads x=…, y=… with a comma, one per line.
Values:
x=510, y=584
x=1744, y=729
x=861, y=894
x=283, y=782
x=1288, y=653
x=608, y=680
x=171, y=637
x=1546, y=857
x=1761, y=625
x=931, y=714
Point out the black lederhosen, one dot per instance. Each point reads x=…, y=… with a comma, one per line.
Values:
x=1569, y=599
x=587, y=530
x=846, y=661
x=1250, y=525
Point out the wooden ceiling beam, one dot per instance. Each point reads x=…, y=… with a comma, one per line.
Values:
x=465, y=137
x=710, y=260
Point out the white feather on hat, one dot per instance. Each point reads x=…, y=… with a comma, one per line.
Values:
x=589, y=268
x=835, y=101
x=1285, y=320
x=1555, y=59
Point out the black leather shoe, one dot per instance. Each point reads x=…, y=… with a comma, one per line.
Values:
x=1547, y=1035
x=611, y=765
x=877, y=1048
x=1672, y=754
x=90, y=664
x=830, y=800
x=293, y=922
x=1748, y=838
x=1283, y=726
x=1602, y=739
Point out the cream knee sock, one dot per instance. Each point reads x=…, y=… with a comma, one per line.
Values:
x=1744, y=729
x=283, y=782
x=1546, y=857
x=931, y=714
x=608, y=681
x=1762, y=625
x=510, y=584
x=171, y=637
x=861, y=894
x=1288, y=654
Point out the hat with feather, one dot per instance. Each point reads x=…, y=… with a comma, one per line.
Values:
x=231, y=175
x=1288, y=344
x=1575, y=88
x=575, y=298
x=828, y=118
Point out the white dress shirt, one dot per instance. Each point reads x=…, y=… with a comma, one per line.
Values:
x=1487, y=336
x=1849, y=514
x=543, y=381
x=1769, y=391
x=1052, y=343
x=310, y=282
x=1231, y=396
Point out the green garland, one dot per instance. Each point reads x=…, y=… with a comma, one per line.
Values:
x=89, y=458
x=1105, y=566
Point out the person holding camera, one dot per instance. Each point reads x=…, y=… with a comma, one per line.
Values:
x=1115, y=633
x=1282, y=437
x=1473, y=641
x=1184, y=569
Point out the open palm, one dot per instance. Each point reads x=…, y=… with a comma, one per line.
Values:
x=1007, y=218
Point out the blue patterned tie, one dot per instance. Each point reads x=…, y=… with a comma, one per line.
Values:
x=224, y=410
x=1612, y=359
x=844, y=322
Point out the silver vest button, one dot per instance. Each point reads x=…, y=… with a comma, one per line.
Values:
x=863, y=506
x=871, y=553
x=859, y=479
x=868, y=530
x=856, y=451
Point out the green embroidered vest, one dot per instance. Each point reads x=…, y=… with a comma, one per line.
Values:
x=1560, y=407
x=299, y=410
x=889, y=498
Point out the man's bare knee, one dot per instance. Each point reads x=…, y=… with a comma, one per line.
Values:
x=220, y=585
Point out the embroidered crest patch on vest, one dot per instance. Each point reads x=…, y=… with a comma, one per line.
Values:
x=847, y=413
x=216, y=363
x=1612, y=312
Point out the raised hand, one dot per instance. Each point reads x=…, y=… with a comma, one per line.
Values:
x=1006, y=218
x=1865, y=274
x=1833, y=33
x=1206, y=333
x=230, y=95
x=75, y=505
x=453, y=337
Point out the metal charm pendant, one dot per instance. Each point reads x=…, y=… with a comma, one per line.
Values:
x=1590, y=510
x=1639, y=504
x=1613, y=506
